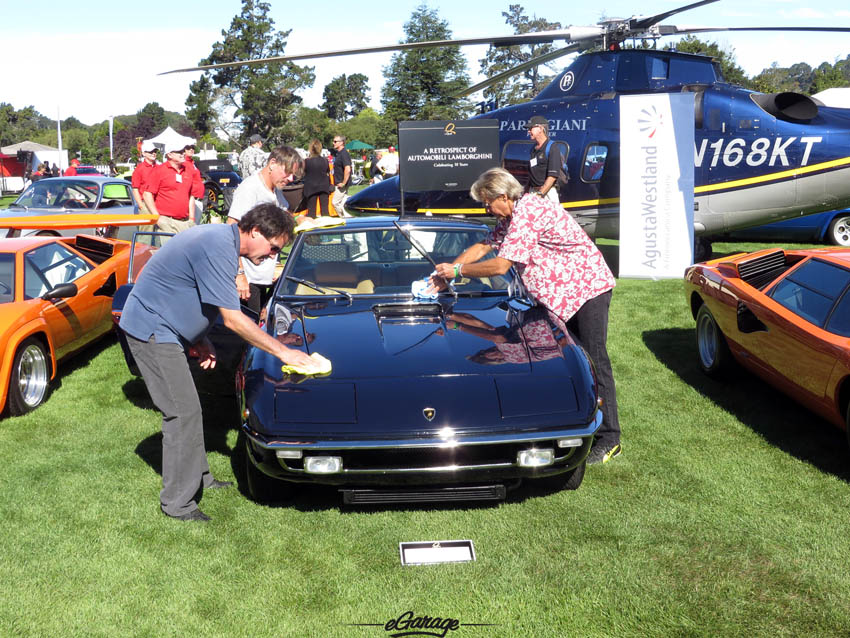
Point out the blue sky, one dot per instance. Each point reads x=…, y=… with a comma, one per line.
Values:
x=98, y=58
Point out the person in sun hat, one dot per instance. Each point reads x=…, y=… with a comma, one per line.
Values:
x=168, y=192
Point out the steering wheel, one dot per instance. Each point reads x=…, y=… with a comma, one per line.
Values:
x=74, y=203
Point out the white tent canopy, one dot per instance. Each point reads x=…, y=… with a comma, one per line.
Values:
x=41, y=153
x=169, y=136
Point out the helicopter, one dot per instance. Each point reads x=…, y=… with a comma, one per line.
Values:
x=758, y=158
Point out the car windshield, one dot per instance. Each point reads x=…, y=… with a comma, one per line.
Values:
x=379, y=261
x=59, y=193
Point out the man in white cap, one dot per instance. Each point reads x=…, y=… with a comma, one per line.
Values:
x=252, y=159
x=142, y=172
x=168, y=192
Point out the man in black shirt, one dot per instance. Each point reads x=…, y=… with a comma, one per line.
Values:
x=543, y=171
x=342, y=175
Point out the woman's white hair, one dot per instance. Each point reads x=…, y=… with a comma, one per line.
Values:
x=494, y=183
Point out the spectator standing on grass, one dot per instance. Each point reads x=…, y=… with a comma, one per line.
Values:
x=168, y=192
x=141, y=173
x=342, y=175
x=560, y=267
x=389, y=163
x=374, y=170
x=253, y=158
x=545, y=163
x=317, y=181
x=177, y=297
x=283, y=166
x=197, y=178
x=72, y=169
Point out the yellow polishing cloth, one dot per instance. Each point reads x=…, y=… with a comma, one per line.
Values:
x=319, y=222
x=323, y=363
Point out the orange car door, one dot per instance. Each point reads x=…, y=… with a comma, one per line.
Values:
x=72, y=321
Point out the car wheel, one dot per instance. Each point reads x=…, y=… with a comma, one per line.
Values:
x=212, y=198
x=30, y=378
x=566, y=481
x=714, y=355
x=261, y=487
x=702, y=249
x=839, y=231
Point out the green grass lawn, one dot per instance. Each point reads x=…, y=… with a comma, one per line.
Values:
x=726, y=515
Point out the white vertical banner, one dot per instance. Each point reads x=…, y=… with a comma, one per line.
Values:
x=656, y=185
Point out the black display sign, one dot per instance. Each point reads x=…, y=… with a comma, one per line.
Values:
x=446, y=155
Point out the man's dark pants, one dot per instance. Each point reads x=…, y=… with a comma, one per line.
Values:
x=166, y=372
x=590, y=326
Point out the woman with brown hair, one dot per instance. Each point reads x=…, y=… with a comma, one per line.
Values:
x=317, y=181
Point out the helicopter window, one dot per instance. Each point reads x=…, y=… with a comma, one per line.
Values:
x=660, y=68
x=593, y=165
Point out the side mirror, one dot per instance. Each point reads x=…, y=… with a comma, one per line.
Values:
x=61, y=291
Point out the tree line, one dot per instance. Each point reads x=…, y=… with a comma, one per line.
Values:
x=225, y=106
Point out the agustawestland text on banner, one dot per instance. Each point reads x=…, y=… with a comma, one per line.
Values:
x=446, y=155
x=656, y=185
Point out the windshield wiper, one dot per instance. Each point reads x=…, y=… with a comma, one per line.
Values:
x=422, y=252
x=322, y=289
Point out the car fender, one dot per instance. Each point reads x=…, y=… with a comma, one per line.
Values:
x=35, y=327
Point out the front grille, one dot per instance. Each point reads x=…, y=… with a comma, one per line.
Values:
x=425, y=495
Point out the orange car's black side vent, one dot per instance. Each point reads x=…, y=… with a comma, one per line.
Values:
x=761, y=271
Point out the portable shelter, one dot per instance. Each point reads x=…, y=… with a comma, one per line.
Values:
x=170, y=136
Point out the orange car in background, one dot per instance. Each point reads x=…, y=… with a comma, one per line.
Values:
x=785, y=316
x=56, y=298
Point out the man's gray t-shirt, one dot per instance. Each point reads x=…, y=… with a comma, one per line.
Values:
x=180, y=290
x=249, y=193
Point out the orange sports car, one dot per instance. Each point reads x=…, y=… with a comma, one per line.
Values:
x=782, y=314
x=56, y=298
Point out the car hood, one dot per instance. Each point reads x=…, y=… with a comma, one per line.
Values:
x=393, y=364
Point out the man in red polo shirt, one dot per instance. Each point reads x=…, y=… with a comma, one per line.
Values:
x=142, y=172
x=168, y=192
x=197, y=179
x=72, y=169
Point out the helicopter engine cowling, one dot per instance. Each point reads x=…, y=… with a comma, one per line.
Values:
x=789, y=106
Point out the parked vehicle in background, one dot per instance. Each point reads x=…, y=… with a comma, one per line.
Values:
x=63, y=196
x=831, y=227
x=784, y=315
x=220, y=181
x=89, y=170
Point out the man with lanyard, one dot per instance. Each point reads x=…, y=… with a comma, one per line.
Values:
x=543, y=171
x=284, y=165
x=197, y=179
x=252, y=159
x=168, y=192
x=342, y=175
x=178, y=296
x=141, y=174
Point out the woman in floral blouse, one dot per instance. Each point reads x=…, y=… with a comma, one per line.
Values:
x=561, y=268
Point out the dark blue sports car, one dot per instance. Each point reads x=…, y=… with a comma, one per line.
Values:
x=457, y=397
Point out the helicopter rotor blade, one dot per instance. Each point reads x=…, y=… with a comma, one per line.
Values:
x=539, y=37
x=540, y=59
x=640, y=23
x=669, y=29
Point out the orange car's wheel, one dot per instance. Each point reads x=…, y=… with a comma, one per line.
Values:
x=30, y=377
x=714, y=355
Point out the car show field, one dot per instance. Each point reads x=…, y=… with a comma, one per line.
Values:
x=725, y=515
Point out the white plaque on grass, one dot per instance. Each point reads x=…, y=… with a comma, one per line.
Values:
x=429, y=552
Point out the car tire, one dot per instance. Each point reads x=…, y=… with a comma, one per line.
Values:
x=702, y=249
x=838, y=232
x=570, y=480
x=212, y=197
x=261, y=487
x=30, y=379
x=712, y=350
